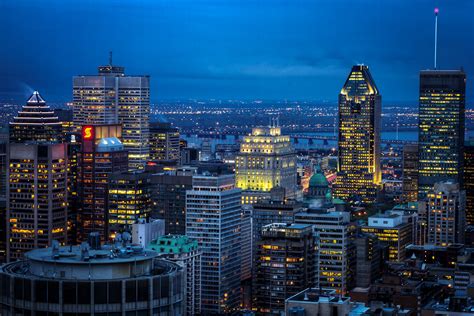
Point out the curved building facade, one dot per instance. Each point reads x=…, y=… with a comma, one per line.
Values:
x=80, y=281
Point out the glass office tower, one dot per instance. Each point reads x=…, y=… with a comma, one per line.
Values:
x=112, y=97
x=441, y=127
x=213, y=218
x=359, y=176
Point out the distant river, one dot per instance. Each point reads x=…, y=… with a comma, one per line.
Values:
x=194, y=140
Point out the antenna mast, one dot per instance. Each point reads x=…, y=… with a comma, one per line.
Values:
x=436, y=11
x=110, y=58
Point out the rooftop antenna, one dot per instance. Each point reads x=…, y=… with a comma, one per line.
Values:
x=110, y=58
x=436, y=11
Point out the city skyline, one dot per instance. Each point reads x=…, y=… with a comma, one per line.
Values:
x=207, y=49
x=202, y=170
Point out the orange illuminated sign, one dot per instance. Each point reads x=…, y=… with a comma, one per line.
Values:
x=87, y=132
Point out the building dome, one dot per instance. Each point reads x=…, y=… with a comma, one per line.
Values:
x=318, y=180
x=319, y=186
x=109, y=144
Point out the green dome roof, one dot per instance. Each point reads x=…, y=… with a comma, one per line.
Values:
x=318, y=180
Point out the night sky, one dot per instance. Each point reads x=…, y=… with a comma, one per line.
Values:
x=232, y=49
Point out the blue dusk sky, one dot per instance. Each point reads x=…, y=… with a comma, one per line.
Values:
x=232, y=49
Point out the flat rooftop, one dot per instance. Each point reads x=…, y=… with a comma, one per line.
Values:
x=385, y=216
x=106, y=255
x=318, y=295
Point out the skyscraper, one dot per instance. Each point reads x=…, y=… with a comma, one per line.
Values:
x=102, y=154
x=359, y=176
x=164, y=142
x=3, y=169
x=36, y=197
x=273, y=210
x=369, y=259
x=266, y=160
x=246, y=245
x=169, y=198
x=111, y=97
x=213, y=217
x=410, y=173
x=36, y=121
x=441, y=127
x=129, y=199
x=284, y=265
x=335, y=258
x=469, y=180
x=65, y=116
x=445, y=212
x=3, y=201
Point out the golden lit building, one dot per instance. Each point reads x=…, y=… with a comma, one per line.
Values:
x=36, y=197
x=410, y=173
x=129, y=199
x=391, y=231
x=164, y=142
x=266, y=160
x=359, y=176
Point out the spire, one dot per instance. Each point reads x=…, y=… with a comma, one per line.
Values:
x=110, y=58
x=436, y=11
x=36, y=98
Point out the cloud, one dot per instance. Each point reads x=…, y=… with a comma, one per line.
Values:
x=269, y=70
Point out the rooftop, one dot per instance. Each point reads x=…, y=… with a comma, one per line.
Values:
x=173, y=244
x=319, y=295
x=36, y=98
x=80, y=255
x=380, y=215
x=286, y=230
